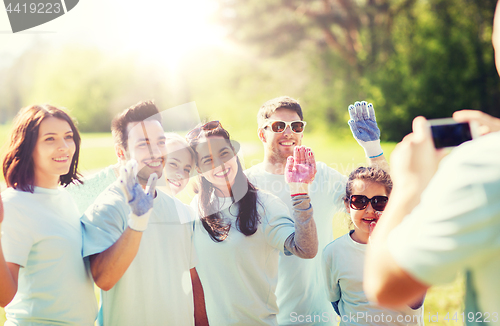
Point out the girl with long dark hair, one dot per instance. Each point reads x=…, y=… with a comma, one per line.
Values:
x=43, y=277
x=242, y=229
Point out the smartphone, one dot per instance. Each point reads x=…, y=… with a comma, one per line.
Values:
x=448, y=133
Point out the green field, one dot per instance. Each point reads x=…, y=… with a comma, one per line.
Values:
x=342, y=154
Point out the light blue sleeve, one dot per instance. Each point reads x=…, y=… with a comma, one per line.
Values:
x=17, y=236
x=104, y=222
x=329, y=273
x=275, y=218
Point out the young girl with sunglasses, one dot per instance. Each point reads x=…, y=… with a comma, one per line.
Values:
x=242, y=229
x=43, y=277
x=367, y=192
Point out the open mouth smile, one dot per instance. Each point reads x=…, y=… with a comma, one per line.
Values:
x=223, y=173
x=175, y=183
x=61, y=159
x=155, y=164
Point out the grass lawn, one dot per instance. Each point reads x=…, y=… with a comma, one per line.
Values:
x=342, y=154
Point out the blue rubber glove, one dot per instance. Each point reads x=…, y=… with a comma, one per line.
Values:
x=364, y=128
x=140, y=202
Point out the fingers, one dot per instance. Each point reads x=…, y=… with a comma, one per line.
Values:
x=151, y=185
x=310, y=160
x=364, y=110
x=352, y=112
x=372, y=227
x=299, y=154
x=289, y=164
x=421, y=130
x=371, y=112
x=353, y=126
x=487, y=122
x=360, y=111
x=469, y=115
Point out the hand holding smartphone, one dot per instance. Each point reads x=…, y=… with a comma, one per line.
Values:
x=448, y=133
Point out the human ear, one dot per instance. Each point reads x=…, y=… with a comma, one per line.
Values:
x=120, y=152
x=261, y=134
x=347, y=208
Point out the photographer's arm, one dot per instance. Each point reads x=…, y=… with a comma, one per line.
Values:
x=414, y=162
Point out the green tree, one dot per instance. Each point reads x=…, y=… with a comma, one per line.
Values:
x=409, y=57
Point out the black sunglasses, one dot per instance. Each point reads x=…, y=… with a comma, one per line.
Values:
x=280, y=126
x=211, y=125
x=359, y=202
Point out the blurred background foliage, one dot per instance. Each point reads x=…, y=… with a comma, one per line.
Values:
x=408, y=57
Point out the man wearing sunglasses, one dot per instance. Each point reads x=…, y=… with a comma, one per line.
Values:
x=301, y=289
x=442, y=218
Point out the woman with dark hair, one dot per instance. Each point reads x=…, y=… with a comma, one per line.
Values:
x=242, y=229
x=43, y=277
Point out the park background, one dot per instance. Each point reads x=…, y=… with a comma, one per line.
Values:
x=407, y=57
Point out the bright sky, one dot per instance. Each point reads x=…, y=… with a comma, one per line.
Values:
x=161, y=31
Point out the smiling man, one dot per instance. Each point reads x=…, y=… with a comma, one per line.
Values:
x=143, y=263
x=301, y=291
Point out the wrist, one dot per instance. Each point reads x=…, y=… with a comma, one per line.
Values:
x=138, y=223
x=372, y=148
x=297, y=188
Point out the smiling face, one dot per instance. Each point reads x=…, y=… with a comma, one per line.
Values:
x=217, y=163
x=278, y=146
x=178, y=167
x=146, y=145
x=362, y=218
x=53, y=152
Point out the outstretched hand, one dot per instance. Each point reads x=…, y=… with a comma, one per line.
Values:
x=140, y=201
x=301, y=168
x=364, y=128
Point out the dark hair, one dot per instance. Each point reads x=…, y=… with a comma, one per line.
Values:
x=248, y=218
x=18, y=165
x=283, y=102
x=371, y=174
x=145, y=110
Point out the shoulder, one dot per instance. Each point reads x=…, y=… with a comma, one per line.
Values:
x=98, y=180
x=335, y=244
x=11, y=195
x=325, y=170
x=268, y=199
x=14, y=201
x=111, y=198
x=255, y=172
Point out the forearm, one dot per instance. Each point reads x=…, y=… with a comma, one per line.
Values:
x=387, y=284
x=109, y=266
x=303, y=242
x=380, y=162
x=200, y=312
x=8, y=280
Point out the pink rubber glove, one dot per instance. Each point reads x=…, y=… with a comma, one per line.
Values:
x=300, y=169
